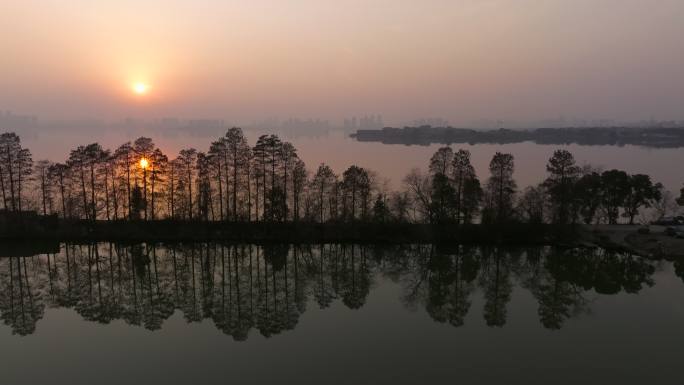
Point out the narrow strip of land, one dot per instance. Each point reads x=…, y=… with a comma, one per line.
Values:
x=666, y=137
x=633, y=239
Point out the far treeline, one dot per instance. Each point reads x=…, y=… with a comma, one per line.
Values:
x=664, y=137
x=268, y=182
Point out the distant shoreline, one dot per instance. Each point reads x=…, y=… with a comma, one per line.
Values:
x=658, y=137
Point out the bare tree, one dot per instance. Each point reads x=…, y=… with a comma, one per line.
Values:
x=419, y=190
x=16, y=166
x=44, y=178
x=322, y=182
x=187, y=159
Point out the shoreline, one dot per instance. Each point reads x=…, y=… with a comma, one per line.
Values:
x=51, y=228
x=45, y=233
x=627, y=238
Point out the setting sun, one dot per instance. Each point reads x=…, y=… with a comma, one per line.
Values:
x=144, y=163
x=140, y=88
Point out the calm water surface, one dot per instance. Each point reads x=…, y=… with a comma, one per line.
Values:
x=393, y=162
x=338, y=314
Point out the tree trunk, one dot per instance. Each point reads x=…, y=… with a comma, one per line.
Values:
x=145, y=192
x=249, y=195
x=106, y=186
x=263, y=193
x=115, y=198
x=92, y=190
x=500, y=213
x=43, y=187
x=225, y=167
x=353, y=201
x=220, y=188
x=11, y=178
x=459, y=197
x=235, y=182
x=128, y=185
x=83, y=190
x=321, y=199
x=19, y=185
x=285, y=188
x=190, y=192
x=61, y=191
x=295, y=203
x=256, y=184
x=173, y=193
x=152, y=193
x=2, y=187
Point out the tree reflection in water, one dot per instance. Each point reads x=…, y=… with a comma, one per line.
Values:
x=244, y=287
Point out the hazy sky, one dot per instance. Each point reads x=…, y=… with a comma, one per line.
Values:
x=251, y=59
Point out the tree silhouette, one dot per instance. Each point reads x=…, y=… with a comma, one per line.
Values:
x=15, y=168
x=123, y=158
x=563, y=173
x=322, y=184
x=269, y=182
x=497, y=288
x=78, y=161
x=204, y=204
x=531, y=204
x=381, y=212
x=299, y=180
x=467, y=186
x=442, y=161
x=443, y=202
x=443, y=193
x=615, y=187
x=242, y=287
x=588, y=196
x=420, y=193
x=500, y=189
x=356, y=187
x=450, y=286
x=143, y=148
x=59, y=172
x=42, y=172
x=559, y=297
x=186, y=162
x=641, y=193
x=159, y=169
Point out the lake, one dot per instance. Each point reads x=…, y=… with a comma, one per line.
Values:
x=338, y=314
x=390, y=162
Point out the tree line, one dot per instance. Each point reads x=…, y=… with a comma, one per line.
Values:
x=452, y=192
x=237, y=182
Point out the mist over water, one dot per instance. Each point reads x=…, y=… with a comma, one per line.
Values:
x=390, y=162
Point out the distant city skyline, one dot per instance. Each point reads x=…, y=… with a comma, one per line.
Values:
x=10, y=120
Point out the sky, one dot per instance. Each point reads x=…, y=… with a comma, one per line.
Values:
x=245, y=60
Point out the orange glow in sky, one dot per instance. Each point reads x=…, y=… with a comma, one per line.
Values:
x=140, y=88
x=461, y=60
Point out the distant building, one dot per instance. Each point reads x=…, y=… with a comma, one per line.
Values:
x=367, y=122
